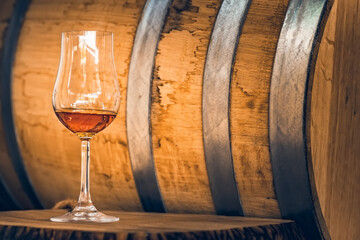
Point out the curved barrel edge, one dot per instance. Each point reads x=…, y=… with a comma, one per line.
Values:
x=138, y=104
x=7, y=60
x=293, y=70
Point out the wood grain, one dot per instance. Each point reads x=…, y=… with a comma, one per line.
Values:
x=335, y=129
x=138, y=125
x=176, y=106
x=50, y=152
x=36, y=224
x=320, y=106
x=249, y=113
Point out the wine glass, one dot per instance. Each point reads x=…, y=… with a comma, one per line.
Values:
x=86, y=99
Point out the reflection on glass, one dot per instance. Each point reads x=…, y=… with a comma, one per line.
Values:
x=86, y=100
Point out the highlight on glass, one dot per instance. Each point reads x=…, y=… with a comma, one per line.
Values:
x=86, y=99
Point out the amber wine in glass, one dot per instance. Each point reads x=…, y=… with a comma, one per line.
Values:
x=86, y=100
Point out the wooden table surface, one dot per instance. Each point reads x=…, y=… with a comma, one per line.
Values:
x=35, y=224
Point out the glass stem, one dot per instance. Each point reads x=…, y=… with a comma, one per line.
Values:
x=85, y=202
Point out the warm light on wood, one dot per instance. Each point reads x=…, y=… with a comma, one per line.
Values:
x=157, y=154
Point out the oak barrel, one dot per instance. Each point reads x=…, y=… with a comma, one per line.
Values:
x=224, y=110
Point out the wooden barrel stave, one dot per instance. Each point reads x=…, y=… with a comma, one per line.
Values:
x=250, y=88
x=176, y=106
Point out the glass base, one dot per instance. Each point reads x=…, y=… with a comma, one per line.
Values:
x=84, y=214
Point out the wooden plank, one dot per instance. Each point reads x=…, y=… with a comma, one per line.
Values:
x=36, y=224
x=249, y=113
x=176, y=106
x=51, y=153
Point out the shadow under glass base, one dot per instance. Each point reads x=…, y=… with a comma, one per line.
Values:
x=84, y=214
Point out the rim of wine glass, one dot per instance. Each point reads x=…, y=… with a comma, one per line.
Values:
x=82, y=32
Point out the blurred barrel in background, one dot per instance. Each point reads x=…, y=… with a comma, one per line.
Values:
x=223, y=110
x=12, y=185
